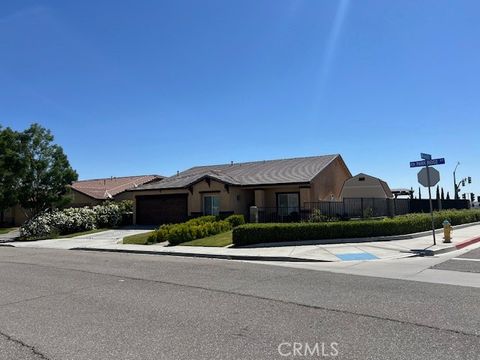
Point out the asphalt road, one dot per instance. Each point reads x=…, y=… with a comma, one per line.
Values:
x=58, y=304
x=469, y=262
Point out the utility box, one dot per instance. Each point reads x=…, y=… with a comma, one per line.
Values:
x=253, y=214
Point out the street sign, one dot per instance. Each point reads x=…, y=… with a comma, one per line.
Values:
x=431, y=162
x=426, y=180
x=428, y=177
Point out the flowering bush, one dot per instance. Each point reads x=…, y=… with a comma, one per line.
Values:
x=38, y=227
x=72, y=220
x=108, y=215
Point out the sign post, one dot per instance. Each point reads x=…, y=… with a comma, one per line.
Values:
x=430, y=201
x=429, y=177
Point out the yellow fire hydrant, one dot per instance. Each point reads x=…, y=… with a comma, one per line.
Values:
x=447, y=232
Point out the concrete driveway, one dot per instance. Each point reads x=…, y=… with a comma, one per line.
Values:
x=104, y=238
x=10, y=236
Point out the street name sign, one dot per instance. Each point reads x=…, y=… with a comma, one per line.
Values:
x=426, y=156
x=428, y=177
x=421, y=163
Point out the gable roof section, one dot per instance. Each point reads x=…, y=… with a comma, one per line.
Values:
x=107, y=188
x=268, y=172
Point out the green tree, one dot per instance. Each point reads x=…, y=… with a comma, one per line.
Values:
x=12, y=169
x=47, y=171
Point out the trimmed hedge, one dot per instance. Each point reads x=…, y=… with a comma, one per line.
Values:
x=195, y=228
x=400, y=225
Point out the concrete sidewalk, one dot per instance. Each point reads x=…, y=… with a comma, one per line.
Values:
x=354, y=251
x=99, y=239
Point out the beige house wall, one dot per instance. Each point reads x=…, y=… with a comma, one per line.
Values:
x=79, y=200
x=259, y=198
x=126, y=195
x=328, y=184
x=270, y=194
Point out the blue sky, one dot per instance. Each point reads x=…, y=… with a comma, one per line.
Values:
x=134, y=87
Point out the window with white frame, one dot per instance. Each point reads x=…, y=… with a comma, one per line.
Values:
x=211, y=205
x=287, y=203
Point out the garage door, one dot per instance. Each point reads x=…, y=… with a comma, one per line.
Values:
x=161, y=209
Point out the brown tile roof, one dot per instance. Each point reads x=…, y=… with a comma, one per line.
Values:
x=103, y=189
x=284, y=171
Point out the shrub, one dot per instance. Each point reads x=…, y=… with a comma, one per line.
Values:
x=57, y=222
x=235, y=220
x=368, y=213
x=406, y=224
x=126, y=206
x=317, y=216
x=193, y=229
x=202, y=220
x=39, y=226
x=72, y=220
x=107, y=215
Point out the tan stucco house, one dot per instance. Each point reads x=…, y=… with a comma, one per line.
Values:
x=365, y=186
x=95, y=191
x=286, y=185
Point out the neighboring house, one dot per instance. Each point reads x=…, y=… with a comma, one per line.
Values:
x=232, y=188
x=365, y=186
x=96, y=191
x=91, y=193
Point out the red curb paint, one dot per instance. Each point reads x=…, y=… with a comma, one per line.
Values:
x=467, y=243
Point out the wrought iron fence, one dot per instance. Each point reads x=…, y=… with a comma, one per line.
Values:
x=283, y=214
x=354, y=208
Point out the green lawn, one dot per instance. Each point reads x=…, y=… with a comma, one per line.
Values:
x=6, y=230
x=81, y=233
x=221, y=240
x=139, y=239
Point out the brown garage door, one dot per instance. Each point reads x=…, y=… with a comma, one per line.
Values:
x=161, y=209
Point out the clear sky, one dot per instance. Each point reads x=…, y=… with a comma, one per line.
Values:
x=139, y=87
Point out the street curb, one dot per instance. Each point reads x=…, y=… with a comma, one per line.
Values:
x=210, y=256
x=461, y=245
x=6, y=245
x=467, y=243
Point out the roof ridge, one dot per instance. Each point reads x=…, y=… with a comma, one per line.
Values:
x=118, y=177
x=262, y=161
